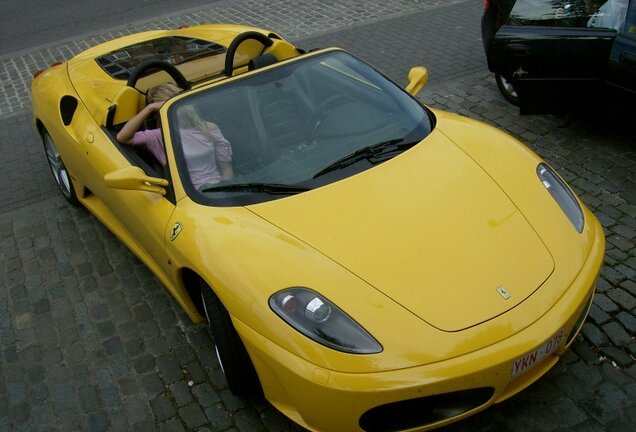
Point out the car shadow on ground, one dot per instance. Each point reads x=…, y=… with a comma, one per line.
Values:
x=609, y=116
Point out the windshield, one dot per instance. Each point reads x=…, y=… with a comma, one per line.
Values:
x=291, y=129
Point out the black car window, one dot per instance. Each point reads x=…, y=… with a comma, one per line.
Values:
x=630, y=22
x=607, y=14
x=570, y=13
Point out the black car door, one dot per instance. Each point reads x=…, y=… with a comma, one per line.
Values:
x=621, y=71
x=551, y=54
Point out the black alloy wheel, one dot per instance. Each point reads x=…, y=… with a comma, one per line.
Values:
x=507, y=89
x=230, y=351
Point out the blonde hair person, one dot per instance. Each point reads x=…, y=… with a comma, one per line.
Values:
x=207, y=153
x=162, y=92
x=189, y=118
x=156, y=97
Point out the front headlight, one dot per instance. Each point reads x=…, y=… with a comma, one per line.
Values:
x=320, y=320
x=562, y=195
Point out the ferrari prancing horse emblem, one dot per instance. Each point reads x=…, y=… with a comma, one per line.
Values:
x=176, y=229
x=503, y=293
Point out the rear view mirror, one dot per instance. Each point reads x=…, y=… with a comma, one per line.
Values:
x=418, y=76
x=134, y=178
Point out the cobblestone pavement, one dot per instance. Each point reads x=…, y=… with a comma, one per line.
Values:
x=89, y=340
x=292, y=18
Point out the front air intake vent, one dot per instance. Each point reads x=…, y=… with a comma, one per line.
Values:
x=412, y=413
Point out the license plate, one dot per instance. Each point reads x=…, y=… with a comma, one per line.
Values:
x=528, y=361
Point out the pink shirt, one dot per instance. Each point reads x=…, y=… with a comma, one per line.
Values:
x=202, y=151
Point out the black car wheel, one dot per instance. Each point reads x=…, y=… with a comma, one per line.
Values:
x=230, y=351
x=58, y=169
x=507, y=90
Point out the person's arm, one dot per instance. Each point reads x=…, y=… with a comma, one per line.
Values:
x=223, y=150
x=126, y=134
x=227, y=172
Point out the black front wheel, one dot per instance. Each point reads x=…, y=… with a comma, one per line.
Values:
x=507, y=89
x=233, y=357
x=59, y=171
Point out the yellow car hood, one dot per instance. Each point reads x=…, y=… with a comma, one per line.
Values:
x=429, y=229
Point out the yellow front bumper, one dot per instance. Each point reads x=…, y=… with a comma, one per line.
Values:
x=331, y=401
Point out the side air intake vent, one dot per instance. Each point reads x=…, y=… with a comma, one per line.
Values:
x=68, y=105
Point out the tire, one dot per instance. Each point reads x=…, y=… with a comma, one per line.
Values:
x=507, y=90
x=231, y=353
x=60, y=174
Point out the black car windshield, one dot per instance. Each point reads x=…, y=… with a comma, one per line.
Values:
x=292, y=128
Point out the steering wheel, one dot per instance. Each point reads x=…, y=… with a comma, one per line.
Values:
x=162, y=65
x=321, y=111
x=231, y=51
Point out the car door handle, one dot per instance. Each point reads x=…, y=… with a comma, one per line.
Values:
x=627, y=58
x=518, y=49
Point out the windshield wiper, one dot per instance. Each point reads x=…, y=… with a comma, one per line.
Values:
x=375, y=153
x=270, y=188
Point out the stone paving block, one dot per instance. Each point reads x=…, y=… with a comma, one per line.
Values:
x=157, y=346
x=99, y=422
x=184, y=353
x=248, y=420
x=616, y=255
x=598, y=315
x=622, y=298
x=173, y=425
x=163, y=407
x=181, y=393
x=587, y=374
x=628, y=272
x=598, y=406
x=143, y=425
x=616, y=356
x=274, y=422
x=594, y=334
x=193, y=416
x=195, y=373
x=88, y=397
x=617, y=240
x=621, y=425
x=144, y=363
x=218, y=417
x=528, y=417
x=616, y=333
x=206, y=395
x=568, y=412
x=628, y=321
x=631, y=348
x=169, y=369
x=629, y=286
x=603, y=302
x=128, y=386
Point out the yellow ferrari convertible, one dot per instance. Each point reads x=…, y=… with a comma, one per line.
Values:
x=369, y=264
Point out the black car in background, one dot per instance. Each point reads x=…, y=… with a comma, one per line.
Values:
x=555, y=55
